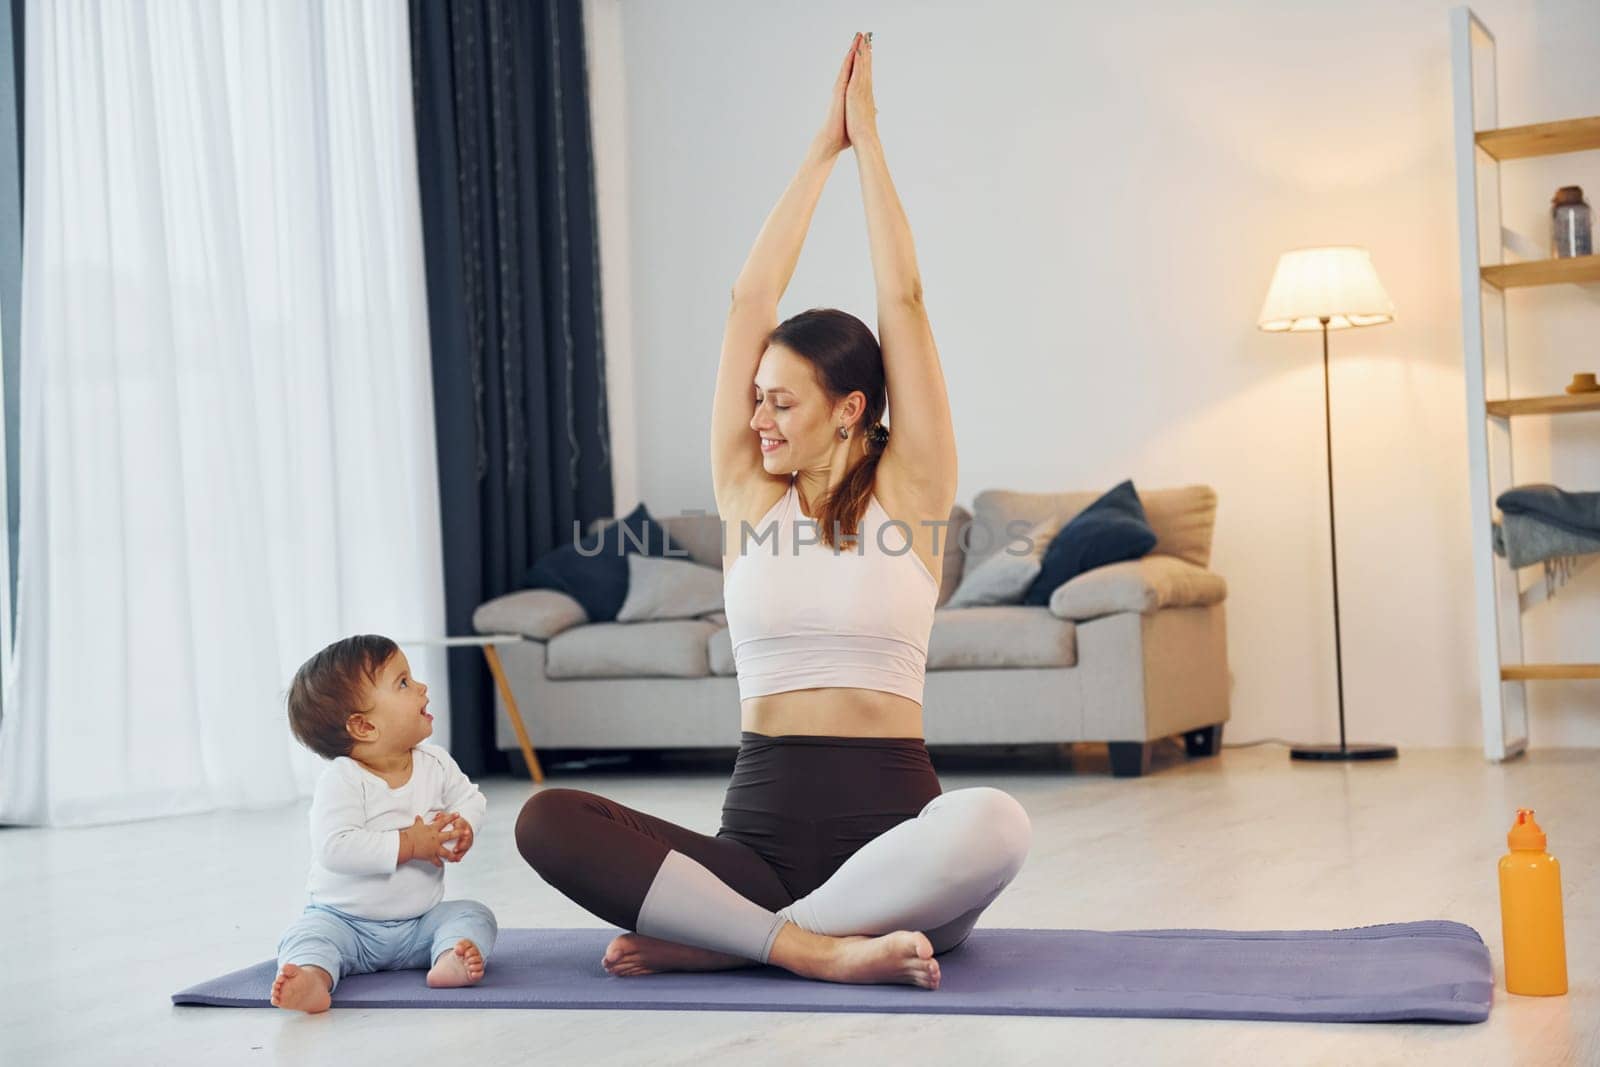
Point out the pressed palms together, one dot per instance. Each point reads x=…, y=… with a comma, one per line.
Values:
x=852, y=114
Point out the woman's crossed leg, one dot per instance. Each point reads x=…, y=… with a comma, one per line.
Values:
x=704, y=903
x=935, y=873
x=694, y=898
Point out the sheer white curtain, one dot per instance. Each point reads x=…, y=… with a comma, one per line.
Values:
x=227, y=441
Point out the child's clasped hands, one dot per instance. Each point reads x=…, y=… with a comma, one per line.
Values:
x=443, y=839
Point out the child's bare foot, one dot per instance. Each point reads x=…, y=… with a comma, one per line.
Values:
x=462, y=965
x=302, y=988
x=630, y=954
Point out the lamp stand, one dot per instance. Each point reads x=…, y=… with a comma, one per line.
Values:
x=1341, y=751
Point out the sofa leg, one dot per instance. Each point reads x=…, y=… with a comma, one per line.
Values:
x=1129, y=759
x=1206, y=741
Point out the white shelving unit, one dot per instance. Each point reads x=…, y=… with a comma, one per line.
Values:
x=1481, y=146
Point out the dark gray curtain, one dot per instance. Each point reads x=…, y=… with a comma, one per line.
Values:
x=508, y=220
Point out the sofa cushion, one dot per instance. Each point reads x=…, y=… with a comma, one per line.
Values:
x=537, y=613
x=660, y=587
x=720, y=649
x=1183, y=519
x=594, y=571
x=1140, y=585
x=674, y=648
x=1110, y=530
x=1005, y=576
x=700, y=534
x=1001, y=635
x=950, y=554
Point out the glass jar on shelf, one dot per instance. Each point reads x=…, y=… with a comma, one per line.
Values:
x=1570, y=229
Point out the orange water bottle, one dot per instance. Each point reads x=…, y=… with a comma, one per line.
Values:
x=1530, y=913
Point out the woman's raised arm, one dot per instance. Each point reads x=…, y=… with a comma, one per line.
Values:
x=760, y=285
x=922, y=444
x=772, y=260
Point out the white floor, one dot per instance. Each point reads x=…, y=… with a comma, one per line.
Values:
x=104, y=924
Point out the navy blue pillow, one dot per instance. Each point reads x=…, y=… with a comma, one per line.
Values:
x=599, y=579
x=1110, y=530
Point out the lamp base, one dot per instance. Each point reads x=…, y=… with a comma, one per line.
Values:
x=1343, y=753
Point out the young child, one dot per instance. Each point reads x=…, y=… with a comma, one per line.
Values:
x=388, y=813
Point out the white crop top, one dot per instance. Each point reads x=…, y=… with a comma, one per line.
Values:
x=817, y=615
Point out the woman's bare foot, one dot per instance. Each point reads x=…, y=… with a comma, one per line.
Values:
x=302, y=989
x=462, y=965
x=630, y=954
x=903, y=957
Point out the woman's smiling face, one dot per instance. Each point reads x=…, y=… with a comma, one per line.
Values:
x=796, y=425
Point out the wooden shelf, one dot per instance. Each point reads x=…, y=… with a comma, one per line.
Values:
x=1542, y=138
x=1549, y=672
x=1506, y=663
x=1575, y=269
x=1546, y=405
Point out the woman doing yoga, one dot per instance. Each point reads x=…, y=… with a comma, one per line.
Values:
x=839, y=857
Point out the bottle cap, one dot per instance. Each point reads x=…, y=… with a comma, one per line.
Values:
x=1525, y=833
x=1568, y=194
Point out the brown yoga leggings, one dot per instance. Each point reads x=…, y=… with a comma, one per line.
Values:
x=796, y=808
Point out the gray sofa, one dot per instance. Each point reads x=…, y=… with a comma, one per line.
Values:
x=1125, y=654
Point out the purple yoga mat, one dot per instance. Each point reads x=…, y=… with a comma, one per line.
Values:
x=1434, y=970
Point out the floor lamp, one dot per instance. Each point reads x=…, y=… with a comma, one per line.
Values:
x=1329, y=288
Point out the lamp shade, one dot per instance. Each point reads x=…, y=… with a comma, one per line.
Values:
x=1336, y=283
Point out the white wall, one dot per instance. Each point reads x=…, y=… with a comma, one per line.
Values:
x=608, y=119
x=1099, y=195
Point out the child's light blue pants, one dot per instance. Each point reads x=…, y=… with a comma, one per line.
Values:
x=344, y=944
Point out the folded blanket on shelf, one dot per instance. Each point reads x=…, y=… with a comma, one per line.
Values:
x=1543, y=524
x=1526, y=539
x=1576, y=513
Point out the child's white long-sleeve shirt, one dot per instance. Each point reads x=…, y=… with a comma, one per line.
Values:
x=356, y=819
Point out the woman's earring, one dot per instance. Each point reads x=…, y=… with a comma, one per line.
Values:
x=844, y=434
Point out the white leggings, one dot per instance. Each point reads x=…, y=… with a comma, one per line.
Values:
x=935, y=873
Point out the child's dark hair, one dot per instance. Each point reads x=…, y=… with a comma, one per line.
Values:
x=330, y=687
